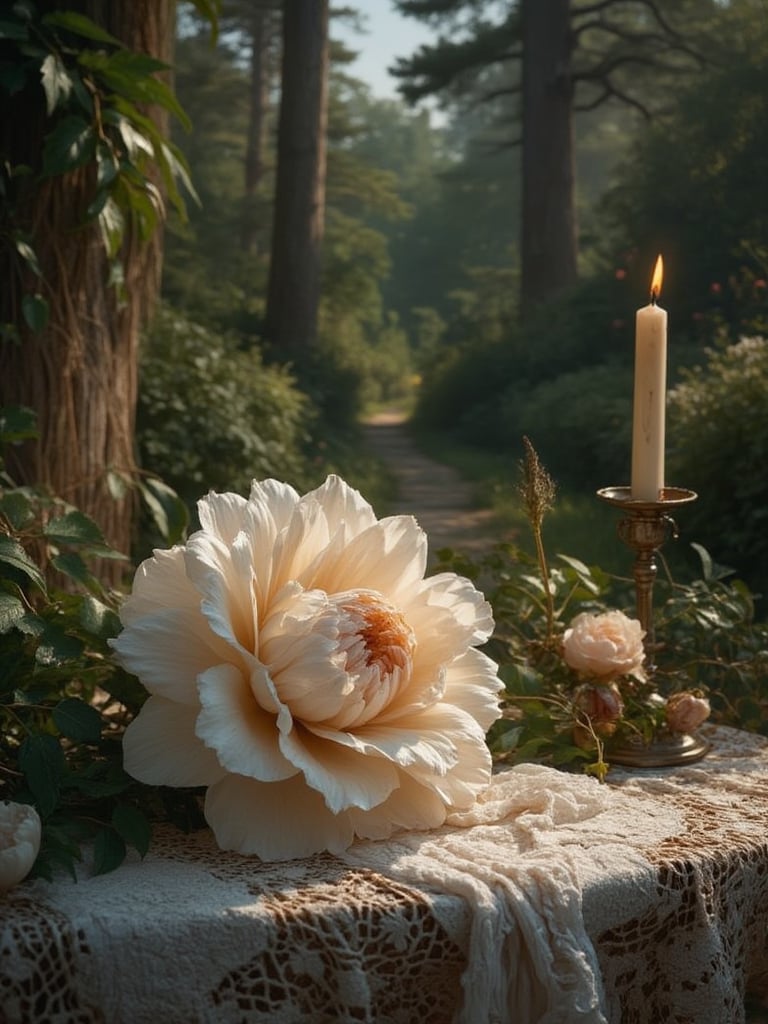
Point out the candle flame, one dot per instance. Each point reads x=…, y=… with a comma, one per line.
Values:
x=658, y=277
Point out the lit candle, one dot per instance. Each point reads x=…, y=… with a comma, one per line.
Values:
x=650, y=395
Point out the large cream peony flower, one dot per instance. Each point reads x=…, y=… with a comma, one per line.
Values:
x=302, y=669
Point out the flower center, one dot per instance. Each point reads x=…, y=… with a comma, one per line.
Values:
x=377, y=645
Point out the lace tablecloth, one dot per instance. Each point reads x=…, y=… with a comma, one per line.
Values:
x=556, y=901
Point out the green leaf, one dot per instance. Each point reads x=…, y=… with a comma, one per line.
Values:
x=17, y=423
x=13, y=554
x=35, y=310
x=17, y=509
x=28, y=254
x=118, y=484
x=108, y=851
x=74, y=527
x=72, y=565
x=98, y=619
x=168, y=510
x=77, y=720
x=107, y=166
x=112, y=226
x=79, y=25
x=12, y=611
x=57, y=647
x=135, y=143
x=71, y=144
x=57, y=82
x=41, y=759
x=132, y=825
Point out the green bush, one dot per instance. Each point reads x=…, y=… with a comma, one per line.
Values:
x=718, y=422
x=581, y=424
x=212, y=416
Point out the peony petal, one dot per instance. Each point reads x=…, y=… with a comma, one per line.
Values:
x=224, y=584
x=298, y=545
x=342, y=773
x=411, y=806
x=389, y=557
x=168, y=649
x=275, y=821
x=299, y=644
x=274, y=499
x=160, y=747
x=471, y=775
x=448, y=615
x=222, y=515
x=244, y=737
x=160, y=582
x=473, y=685
x=346, y=510
x=429, y=739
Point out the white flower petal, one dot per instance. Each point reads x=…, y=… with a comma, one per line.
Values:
x=225, y=587
x=244, y=737
x=222, y=515
x=472, y=775
x=298, y=545
x=411, y=806
x=346, y=510
x=472, y=684
x=388, y=557
x=160, y=747
x=448, y=615
x=167, y=650
x=429, y=740
x=275, y=499
x=275, y=821
x=160, y=583
x=342, y=773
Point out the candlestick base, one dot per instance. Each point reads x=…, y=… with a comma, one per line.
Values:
x=665, y=750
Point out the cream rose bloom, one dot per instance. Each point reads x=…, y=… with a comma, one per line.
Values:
x=606, y=645
x=302, y=669
x=20, y=831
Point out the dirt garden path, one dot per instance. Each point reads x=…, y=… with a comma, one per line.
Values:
x=442, y=502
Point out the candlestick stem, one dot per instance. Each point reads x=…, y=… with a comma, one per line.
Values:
x=644, y=528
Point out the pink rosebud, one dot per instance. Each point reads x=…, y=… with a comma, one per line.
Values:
x=686, y=712
x=620, y=274
x=602, y=703
x=760, y=283
x=715, y=287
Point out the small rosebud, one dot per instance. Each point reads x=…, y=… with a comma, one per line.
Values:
x=686, y=712
x=600, y=703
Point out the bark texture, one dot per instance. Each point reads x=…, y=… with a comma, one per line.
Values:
x=294, y=280
x=80, y=373
x=548, y=244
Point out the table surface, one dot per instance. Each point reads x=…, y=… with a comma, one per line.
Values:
x=645, y=900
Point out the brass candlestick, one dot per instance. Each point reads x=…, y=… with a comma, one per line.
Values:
x=645, y=527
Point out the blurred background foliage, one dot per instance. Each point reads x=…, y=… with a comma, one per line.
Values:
x=420, y=271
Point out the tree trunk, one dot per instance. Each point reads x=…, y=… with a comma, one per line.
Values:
x=548, y=245
x=294, y=279
x=258, y=105
x=79, y=373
